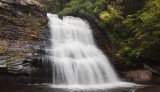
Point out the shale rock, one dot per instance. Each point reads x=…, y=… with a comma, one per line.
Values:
x=21, y=34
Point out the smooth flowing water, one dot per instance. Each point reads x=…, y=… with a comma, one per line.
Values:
x=76, y=60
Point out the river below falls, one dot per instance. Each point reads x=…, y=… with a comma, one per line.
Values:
x=11, y=87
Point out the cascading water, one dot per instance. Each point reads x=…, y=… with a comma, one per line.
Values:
x=75, y=58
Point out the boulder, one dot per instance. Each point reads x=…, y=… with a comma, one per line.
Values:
x=138, y=75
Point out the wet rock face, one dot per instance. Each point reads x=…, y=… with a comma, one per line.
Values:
x=103, y=42
x=22, y=25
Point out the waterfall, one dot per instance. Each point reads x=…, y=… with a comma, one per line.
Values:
x=76, y=60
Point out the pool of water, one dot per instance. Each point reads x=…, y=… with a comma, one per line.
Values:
x=10, y=83
x=119, y=87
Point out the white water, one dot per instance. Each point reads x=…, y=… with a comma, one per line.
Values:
x=76, y=60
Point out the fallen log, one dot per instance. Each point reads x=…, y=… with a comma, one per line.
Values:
x=151, y=69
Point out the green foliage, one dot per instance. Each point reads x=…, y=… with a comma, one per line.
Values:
x=144, y=30
x=111, y=15
x=86, y=8
x=106, y=16
x=135, y=28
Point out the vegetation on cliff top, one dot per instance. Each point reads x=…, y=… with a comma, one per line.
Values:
x=134, y=26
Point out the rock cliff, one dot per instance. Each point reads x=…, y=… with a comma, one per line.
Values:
x=22, y=25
